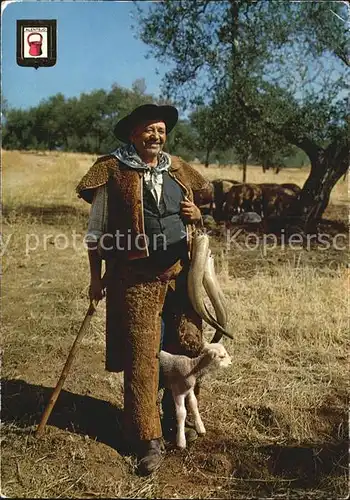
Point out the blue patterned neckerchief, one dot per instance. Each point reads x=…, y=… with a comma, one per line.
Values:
x=128, y=155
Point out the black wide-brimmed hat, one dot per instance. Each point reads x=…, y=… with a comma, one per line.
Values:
x=166, y=114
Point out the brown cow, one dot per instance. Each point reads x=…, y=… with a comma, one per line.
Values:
x=257, y=199
x=204, y=196
x=221, y=188
x=242, y=198
x=204, y=199
x=289, y=186
x=264, y=185
x=292, y=187
x=276, y=199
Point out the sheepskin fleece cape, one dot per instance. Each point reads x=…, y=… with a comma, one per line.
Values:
x=109, y=166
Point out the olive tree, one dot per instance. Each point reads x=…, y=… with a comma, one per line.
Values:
x=276, y=65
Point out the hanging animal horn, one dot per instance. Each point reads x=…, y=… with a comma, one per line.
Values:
x=216, y=296
x=196, y=277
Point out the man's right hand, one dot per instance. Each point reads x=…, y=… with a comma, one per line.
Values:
x=96, y=289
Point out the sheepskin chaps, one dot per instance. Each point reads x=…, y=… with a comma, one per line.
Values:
x=137, y=294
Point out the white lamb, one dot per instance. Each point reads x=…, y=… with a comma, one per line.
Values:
x=180, y=374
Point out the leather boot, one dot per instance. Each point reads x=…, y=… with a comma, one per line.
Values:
x=151, y=457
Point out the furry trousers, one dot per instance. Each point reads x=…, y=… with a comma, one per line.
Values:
x=138, y=297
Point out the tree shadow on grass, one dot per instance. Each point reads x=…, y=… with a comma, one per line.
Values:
x=23, y=405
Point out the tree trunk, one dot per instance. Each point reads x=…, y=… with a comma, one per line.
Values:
x=245, y=161
x=207, y=158
x=327, y=167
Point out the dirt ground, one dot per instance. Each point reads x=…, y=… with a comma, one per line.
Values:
x=277, y=420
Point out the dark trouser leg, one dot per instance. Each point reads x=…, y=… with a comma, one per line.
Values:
x=183, y=332
x=169, y=415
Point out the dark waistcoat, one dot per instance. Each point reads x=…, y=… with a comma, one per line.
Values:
x=163, y=225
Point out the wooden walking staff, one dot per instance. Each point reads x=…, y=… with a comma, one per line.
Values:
x=84, y=326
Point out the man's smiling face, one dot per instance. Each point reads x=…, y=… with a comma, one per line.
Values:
x=149, y=138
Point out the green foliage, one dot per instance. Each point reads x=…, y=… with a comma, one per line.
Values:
x=83, y=124
x=86, y=124
x=286, y=58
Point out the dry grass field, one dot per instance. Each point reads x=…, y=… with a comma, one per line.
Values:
x=277, y=419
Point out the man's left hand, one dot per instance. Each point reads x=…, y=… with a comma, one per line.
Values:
x=190, y=212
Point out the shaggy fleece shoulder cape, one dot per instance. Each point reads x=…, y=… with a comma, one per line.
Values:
x=107, y=166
